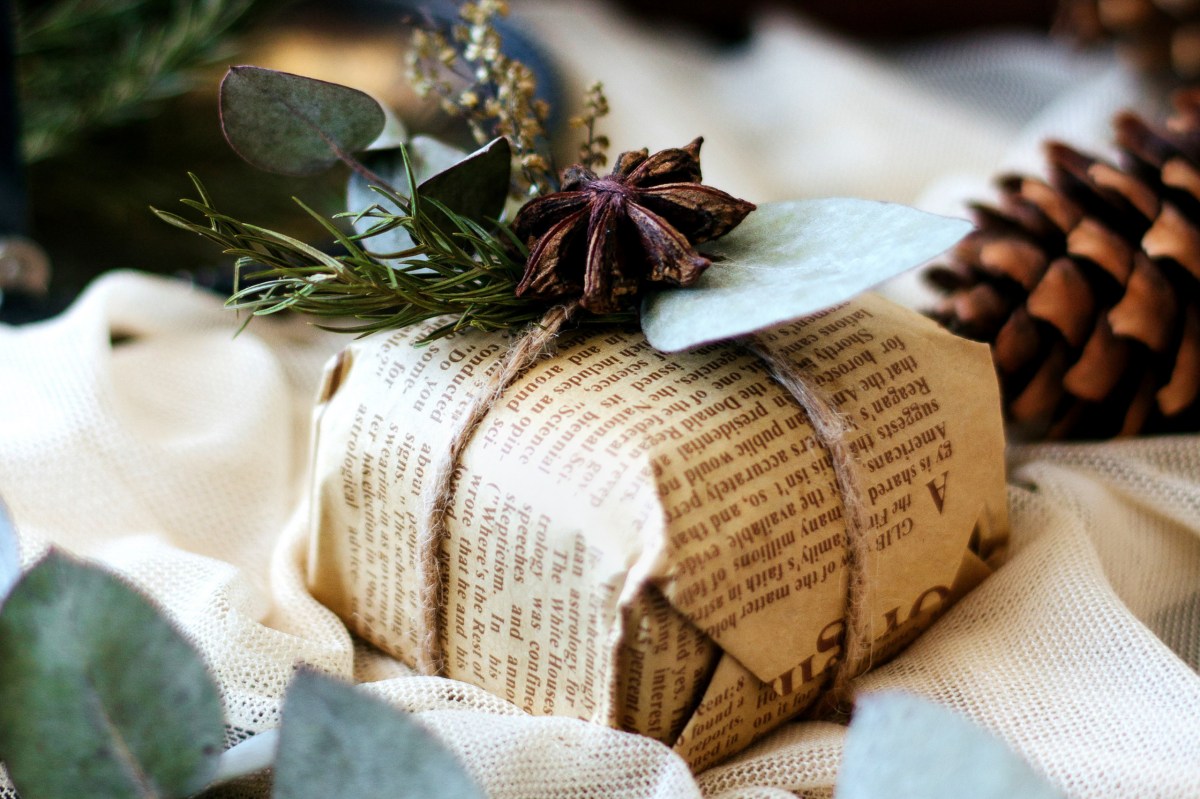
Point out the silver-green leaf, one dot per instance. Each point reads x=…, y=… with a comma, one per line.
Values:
x=10, y=553
x=791, y=259
x=295, y=125
x=900, y=746
x=99, y=694
x=337, y=741
x=473, y=185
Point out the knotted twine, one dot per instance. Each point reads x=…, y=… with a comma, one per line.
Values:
x=829, y=427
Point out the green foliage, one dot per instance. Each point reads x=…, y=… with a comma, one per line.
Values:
x=426, y=156
x=99, y=695
x=459, y=269
x=336, y=741
x=295, y=125
x=903, y=747
x=473, y=185
x=87, y=64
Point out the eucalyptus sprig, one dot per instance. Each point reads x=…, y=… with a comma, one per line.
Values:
x=455, y=267
x=95, y=672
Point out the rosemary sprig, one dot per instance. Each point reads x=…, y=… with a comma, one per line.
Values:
x=455, y=268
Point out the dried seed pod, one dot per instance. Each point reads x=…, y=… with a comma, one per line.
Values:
x=603, y=239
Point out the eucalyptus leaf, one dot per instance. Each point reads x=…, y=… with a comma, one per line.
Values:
x=337, y=741
x=10, y=553
x=295, y=125
x=473, y=185
x=99, y=695
x=900, y=746
x=791, y=259
x=477, y=186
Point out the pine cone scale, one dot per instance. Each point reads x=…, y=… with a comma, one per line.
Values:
x=1017, y=342
x=1124, y=14
x=1041, y=395
x=1180, y=174
x=1173, y=236
x=1136, y=192
x=1104, y=359
x=1057, y=208
x=1148, y=308
x=1064, y=298
x=1103, y=247
x=1156, y=35
x=1183, y=390
x=1018, y=260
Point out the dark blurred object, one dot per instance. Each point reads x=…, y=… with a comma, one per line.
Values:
x=24, y=282
x=89, y=201
x=1157, y=36
x=24, y=267
x=91, y=204
x=13, y=209
x=85, y=66
x=1087, y=285
x=873, y=19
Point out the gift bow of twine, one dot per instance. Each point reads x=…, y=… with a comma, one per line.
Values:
x=829, y=427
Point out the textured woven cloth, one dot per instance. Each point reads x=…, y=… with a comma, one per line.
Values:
x=135, y=429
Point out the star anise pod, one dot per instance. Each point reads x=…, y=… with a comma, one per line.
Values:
x=604, y=239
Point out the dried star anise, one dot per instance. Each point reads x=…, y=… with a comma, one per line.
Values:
x=603, y=239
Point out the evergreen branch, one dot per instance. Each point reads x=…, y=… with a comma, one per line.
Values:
x=456, y=268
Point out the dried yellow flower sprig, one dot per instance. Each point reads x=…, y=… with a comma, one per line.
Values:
x=474, y=79
x=593, y=152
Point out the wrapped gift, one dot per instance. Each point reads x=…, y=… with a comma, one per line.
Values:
x=657, y=542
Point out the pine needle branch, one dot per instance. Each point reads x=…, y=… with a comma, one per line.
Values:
x=456, y=269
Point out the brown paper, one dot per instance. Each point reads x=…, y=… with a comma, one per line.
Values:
x=655, y=542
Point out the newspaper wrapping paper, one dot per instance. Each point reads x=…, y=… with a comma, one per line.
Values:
x=1081, y=651
x=656, y=542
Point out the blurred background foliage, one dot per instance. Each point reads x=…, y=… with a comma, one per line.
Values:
x=117, y=102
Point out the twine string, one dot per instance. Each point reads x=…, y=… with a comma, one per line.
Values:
x=831, y=430
x=529, y=347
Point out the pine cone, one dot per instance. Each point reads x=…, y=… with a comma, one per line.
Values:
x=1157, y=35
x=1087, y=285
